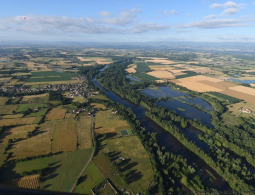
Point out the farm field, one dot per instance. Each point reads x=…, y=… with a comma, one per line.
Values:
x=235, y=109
x=40, y=112
x=131, y=148
x=240, y=95
x=225, y=97
x=53, y=82
x=30, y=182
x=64, y=136
x=145, y=76
x=162, y=74
x=3, y=100
x=15, y=121
x=98, y=106
x=84, y=132
x=56, y=114
x=131, y=68
x=50, y=76
x=8, y=109
x=36, y=99
x=106, y=122
x=24, y=107
x=100, y=97
x=90, y=178
x=13, y=116
x=63, y=169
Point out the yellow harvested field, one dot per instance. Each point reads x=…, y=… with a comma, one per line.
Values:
x=200, y=78
x=197, y=83
x=34, y=146
x=30, y=182
x=161, y=68
x=87, y=64
x=132, y=69
x=243, y=96
x=56, y=114
x=84, y=133
x=213, y=84
x=15, y=121
x=97, y=60
x=13, y=116
x=250, y=70
x=107, y=122
x=177, y=71
x=5, y=79
x=161, y=61
x=243, y=89
x=64, y=136
x=227, y=84
x=162, y=74
x=175, y=81
x=3, y=100
x=30, y=64
x=197, y=86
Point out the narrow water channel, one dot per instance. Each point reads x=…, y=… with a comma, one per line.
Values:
x=171, y=144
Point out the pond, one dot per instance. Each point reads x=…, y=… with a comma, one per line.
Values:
x=242, y=81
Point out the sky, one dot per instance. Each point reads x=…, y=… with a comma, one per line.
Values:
x=128, y=20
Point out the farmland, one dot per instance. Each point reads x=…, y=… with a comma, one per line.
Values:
x=84, y=133
x=15, y=121
x=64, y=136
x=90, y=178
x=131, y=148
x=225, y=97
x=50, y=76
x=3, y=100
x=162, y=74
x=108, y=123
x=142, y=67
x=56, y=114
x=8, y=109
x=145, y=76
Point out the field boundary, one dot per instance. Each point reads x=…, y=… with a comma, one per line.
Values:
x=92, y=154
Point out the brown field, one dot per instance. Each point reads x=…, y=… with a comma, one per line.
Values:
x=106, y=122
x=132, y=69
x=161, y=61
x=5, y=79
x=14, y=122
x=213, y=84
x=83, y=59
x=161, y=74
x=35, y=96
x=13, y=116
x=84, y=133
x=197, y=83
x=240, y=95
x=64, y=136
x=34, y=146
x=202, y=70
x=3, y=100
x=243, y=89
x=30, y=64
x=30, y=182
x=227, y=84
x=97, y=60
x=56, y=114
x=179, y=73
x=18, y=132
x=69, y=116
x=175, y=81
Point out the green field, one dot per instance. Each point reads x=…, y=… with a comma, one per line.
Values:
x=46, y=76
x=89, y=179
x=142, y=67
x=64, y=169
x=225, y=97
x=145, y=76
x=25, y=107
x=38, y=120
x=40, y=112
x=129, y=147
x=186, y=75
x=123, y=132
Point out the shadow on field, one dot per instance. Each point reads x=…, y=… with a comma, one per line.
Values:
x=129, y=166
x=133, y=176
x=46, y=186
x=98, y=127
x=51, y=173
x=114, y=155
x=82, y=179
x=110, y=135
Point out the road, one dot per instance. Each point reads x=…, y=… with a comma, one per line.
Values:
x=93, y=140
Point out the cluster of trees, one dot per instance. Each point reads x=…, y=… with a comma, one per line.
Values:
x=90, y=71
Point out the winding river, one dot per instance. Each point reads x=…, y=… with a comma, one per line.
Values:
x=171, y=144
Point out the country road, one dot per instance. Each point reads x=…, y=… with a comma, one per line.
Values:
x=93, y=140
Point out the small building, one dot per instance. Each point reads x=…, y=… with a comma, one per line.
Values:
x=35, y=109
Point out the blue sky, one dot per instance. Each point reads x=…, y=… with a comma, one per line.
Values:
x=128, y=20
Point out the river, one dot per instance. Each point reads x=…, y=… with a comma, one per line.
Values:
x=171, y=144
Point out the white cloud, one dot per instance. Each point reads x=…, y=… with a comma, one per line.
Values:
x=124, y=18
x=105, y=14
x=230, y=11
x=218, y=23
x=169, y=12
x=216, y=5
x=228, y=4
x=145, y=27
x=126, y=22
x=188, y=14
x=210, y=16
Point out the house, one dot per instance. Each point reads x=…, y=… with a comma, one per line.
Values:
x=246, y=110
x=35, y=109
